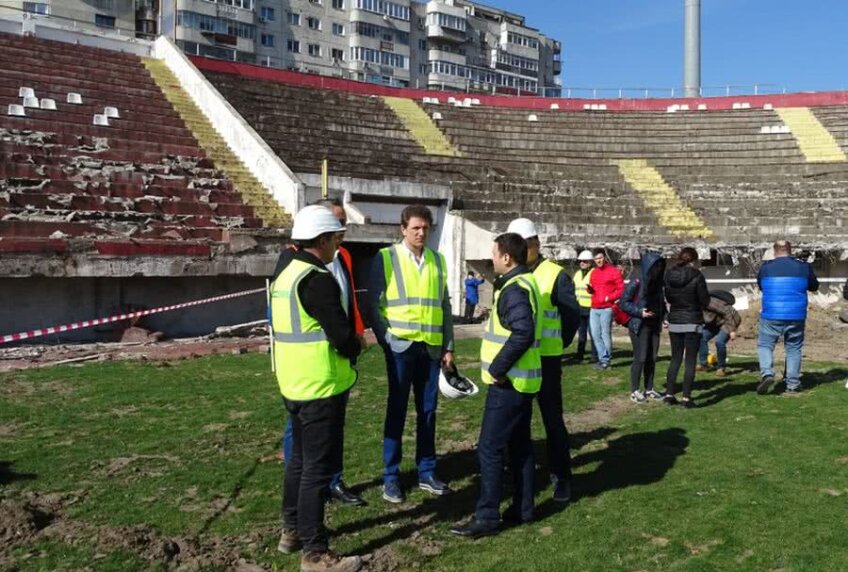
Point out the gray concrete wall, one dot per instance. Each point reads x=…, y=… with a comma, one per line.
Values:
x=32, y=303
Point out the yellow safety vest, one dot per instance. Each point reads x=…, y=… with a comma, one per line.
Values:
x=546, y=275
x=307, y=366
x=580, y=283
x=414, y=297
x=526, y=373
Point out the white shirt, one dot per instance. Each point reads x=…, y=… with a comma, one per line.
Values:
x=337, y=269
x=419, y=262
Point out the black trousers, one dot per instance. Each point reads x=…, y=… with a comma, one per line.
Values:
x=317, y=450
x=582, y=335
x=505, y=430
x=646, y=347
x=469, y=310
x=684, y=348
x=550, y=406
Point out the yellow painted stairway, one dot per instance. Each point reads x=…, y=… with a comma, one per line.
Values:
x=423, y=130
x=661, y=198
x=252, y=191
x=816, y=142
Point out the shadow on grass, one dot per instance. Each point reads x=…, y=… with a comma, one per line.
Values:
x=8, y=475
x=720, y=389
x=234, y=494
x=636, y=459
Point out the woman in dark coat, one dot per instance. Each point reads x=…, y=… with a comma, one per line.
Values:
x=644, y=302
x=687, y=296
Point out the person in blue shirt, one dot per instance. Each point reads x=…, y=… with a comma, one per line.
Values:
x=472, y=295
x=784, y=283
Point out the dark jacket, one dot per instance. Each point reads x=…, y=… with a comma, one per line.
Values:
x=320, y=295
x=785, y=282
x=564, y=298
x=516, y=315
x=645, y=292
x=687, y=295
x=720, y=315
x=845, y=290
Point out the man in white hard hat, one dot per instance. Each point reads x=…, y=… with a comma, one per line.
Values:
x=584, y=298
x=560, y=316
x=315, y=342
x=410, y=313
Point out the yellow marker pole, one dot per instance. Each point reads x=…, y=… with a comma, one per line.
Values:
x=270, y=327
x=325, y=176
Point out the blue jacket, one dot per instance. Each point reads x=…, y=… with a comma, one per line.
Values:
x=472, y=285
x=784, y=282
x=645, y=292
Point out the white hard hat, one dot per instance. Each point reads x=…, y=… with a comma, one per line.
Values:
x=455, y=386
x=585, y=255
x=313, y=221
x=523, y=227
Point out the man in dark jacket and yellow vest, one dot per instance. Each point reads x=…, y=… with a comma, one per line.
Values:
x=410, y=313
x=560, y=317
x=314, y=344
x=512, y=367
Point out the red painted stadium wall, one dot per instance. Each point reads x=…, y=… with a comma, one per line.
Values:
x=541, y=103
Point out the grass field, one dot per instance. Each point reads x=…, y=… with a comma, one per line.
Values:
x=137, y=466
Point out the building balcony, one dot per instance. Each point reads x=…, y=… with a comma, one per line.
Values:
x=436, y=32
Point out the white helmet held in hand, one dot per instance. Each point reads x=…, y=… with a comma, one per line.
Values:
x=585, y=255
x=455, y=386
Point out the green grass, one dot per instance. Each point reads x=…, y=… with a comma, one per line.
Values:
x=186, y=450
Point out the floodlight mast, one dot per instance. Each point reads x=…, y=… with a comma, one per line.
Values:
x=692, y=49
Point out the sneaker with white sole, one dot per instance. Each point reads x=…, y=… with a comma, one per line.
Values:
x=654, y=395
x=637, y=396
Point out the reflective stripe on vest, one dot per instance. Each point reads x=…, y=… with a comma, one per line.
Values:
x=546, y=275
x=307, y=367
x=413, y=306
x=526, y=373
x=580, y=284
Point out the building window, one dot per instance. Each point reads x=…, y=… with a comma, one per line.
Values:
x=337, y=55
x=293, y=18
x=207, y=23
x=389, y=9
x=387, y=34
x=37, y=8
x=267, y=13
x=446, y=21
x=422, y=45
x=103, y=21
x=338, y=29
x=377, y=57
x=314, y=50
x=313, y=23
x=293, y=46
x=338, y=4
x=267, y=40
x=317, y=2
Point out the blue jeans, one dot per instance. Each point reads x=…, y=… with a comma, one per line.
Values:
x=288, y=451
x=721, y=339
x=505, y=430
x=412, y=369
x=600, y=324
x=792, y=332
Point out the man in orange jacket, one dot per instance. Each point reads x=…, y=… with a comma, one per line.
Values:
x=342, y=270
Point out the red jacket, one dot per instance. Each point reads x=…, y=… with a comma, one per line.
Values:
x=608, y=285
x=358, y=324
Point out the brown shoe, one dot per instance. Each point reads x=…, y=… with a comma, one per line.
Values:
x=329, y=562
x=289, y=541
x=720, y=372
x=700, y=367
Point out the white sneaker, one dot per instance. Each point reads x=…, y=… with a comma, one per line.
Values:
x=637, y=396
x=651, y=394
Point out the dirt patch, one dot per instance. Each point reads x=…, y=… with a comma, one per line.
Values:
x=121, y=464
x=611, y=381
x=214, y=427
x=32, y=518
x=8, y=430
x=601, y=414
x=656, y=540
x=239, y=414
x=124, y=411
x=697, y=549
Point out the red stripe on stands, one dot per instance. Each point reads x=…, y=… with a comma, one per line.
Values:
x=252, y=71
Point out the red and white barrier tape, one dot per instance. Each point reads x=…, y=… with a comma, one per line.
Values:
x=88, y=323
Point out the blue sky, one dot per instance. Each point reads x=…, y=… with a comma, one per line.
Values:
x=798, y=45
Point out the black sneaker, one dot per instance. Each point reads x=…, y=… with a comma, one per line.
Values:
x=792, y=390
x=764, y=385
x=562, y=491
x=687, y=403
x=475, y=529
x=669, y=399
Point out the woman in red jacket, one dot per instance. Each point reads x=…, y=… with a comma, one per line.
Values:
x=605, y=285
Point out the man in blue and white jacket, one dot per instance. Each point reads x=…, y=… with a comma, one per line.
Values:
x=784, y=283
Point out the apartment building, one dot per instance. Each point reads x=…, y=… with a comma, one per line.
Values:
x=441, y=44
